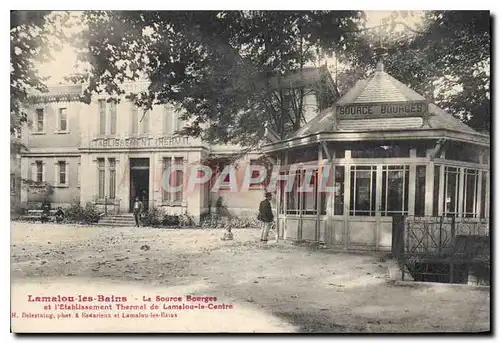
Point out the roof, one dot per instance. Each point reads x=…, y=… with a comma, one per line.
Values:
x=380, y=88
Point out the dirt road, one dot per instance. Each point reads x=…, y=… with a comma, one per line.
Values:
x=273, y=288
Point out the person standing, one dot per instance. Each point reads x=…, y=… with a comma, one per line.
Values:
x=137, y=210
x=265, y=216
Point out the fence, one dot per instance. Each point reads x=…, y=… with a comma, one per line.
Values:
x=442, y=249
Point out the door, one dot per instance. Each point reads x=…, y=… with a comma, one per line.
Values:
x=139, y=181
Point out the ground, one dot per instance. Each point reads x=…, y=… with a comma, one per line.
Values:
x=274, y=288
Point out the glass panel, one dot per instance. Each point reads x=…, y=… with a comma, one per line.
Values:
x=145, y=122
x=39, y=171
x=363, y=190
x=420, y=191
x=179, y=175
x=292, y=195
x=112, y=178
x=470, y=192
x=39, y=119
x=166, y=192
x=451, y=177
x=309, y=197
x=62, y=172
x=102, y=117
x=338, y=208
x=135, y=120
x=483, y=195
x=101, y=171
x=435, y=201
x=112, y=110
x=63, y=119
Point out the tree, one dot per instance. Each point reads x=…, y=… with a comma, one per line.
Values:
x=223, y=69
x=449, y=54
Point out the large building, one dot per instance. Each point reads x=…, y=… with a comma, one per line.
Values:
x=109, y=153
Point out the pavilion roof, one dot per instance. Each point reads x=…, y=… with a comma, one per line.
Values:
x=380, y=88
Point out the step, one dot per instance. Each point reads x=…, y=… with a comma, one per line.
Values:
x=119, y=219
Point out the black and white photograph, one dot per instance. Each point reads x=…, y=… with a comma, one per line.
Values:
x=250, y=171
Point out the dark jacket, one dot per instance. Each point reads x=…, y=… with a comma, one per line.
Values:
x=265, y=211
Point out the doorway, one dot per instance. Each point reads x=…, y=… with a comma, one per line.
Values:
x=139, y=181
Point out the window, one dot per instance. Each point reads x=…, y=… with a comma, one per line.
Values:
x=484, y=199
x=361, y=151
x=112, y=178
x=104, y=107
x=167, y=120
x=420, y=191
x=363, y=186
x=135, y=120
x=177, y=122
x=395, y=190
x=309, y=192
x=292, y=193
x=451, y=181
x=167, y=162
x=62, y=172
x=112, y=112
x=178, y=180
x=102, y=117
x=338, y=205
x=63, y=119
x=101, y=176
x=39, y=119
x=255, y=175
x=470, y=187
x=145, y=122
x=39, y=171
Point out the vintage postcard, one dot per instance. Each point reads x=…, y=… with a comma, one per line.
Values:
x=250, y=171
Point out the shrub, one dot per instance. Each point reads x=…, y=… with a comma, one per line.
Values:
x=152, y=217
x=78, y=214
x=169, y=220
x=214, y=221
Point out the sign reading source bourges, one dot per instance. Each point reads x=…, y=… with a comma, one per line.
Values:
x=138, y=142
x=382, y=110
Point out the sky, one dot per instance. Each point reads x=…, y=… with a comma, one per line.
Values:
x=63, y=63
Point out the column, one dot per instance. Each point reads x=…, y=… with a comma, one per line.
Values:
x=347, y=196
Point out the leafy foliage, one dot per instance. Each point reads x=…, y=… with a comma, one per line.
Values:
x=222, y=68
x=447, y=57
x=33, y=35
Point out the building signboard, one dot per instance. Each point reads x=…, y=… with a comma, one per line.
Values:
x=138, y=142
x=382, y=110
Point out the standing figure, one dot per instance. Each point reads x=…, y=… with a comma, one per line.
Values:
x=265, y=216
x=137, y=210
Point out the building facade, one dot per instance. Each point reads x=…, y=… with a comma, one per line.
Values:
x=109, y=153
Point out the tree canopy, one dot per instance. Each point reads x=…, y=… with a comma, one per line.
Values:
x=225, y=69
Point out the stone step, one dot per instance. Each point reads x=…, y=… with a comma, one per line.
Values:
x=117, y=224
x=119, y=219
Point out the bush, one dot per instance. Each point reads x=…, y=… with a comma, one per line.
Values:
x=152, y=218
x=214, y=221
x=169, y=220
x=78, y=214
